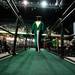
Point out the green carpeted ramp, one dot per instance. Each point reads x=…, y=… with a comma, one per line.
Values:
x=31, y=62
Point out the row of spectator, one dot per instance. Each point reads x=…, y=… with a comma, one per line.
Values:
x=4, y=47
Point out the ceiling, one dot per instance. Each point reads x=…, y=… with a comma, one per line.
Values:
x=49, y=15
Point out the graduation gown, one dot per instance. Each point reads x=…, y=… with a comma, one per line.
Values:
x=40, y=28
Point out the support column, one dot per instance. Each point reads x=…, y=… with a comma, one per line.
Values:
x=62, y=41
x=15, y=38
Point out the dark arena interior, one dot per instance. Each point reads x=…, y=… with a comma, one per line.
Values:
x=37, y=37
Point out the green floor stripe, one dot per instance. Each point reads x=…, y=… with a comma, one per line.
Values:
x=59, y=65
x=31, y=62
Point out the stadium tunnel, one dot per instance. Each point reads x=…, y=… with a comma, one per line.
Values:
x=18, y=54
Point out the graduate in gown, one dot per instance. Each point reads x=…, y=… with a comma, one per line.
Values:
x=38, y=29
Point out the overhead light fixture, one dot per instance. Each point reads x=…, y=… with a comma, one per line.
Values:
x=44, y=4
x=25, y=2
x=56, y=3
x=61, y=2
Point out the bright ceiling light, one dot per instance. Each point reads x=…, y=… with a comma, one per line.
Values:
x=25, y=2
x=56, y=3
x=61, y=3
x=44, y=4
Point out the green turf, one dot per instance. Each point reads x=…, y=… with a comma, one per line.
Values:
x=31, y=62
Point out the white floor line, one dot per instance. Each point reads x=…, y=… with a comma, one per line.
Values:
x=69, y=60
x=5, y=57
x=72, y=58
x=4, y=54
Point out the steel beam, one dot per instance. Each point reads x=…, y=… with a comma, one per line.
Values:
x=6, y=30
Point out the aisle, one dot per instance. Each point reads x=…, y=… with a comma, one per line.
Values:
x=31, y=62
